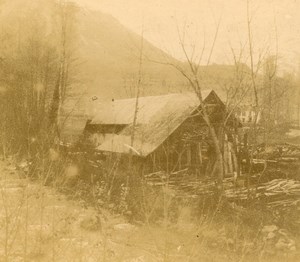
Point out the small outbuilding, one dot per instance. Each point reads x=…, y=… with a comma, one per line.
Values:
x=164, y=132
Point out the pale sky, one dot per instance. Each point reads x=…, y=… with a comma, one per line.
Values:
x=160, y=18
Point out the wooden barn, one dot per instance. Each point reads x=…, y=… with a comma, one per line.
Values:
x=169, y=132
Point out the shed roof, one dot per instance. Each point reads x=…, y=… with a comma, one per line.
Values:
x=122, y=111
x=157, y=118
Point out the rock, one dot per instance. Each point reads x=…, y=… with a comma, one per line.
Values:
x=53, y=154
x=285, y=243
x=12, y=183
x=125, y=227
x=82, y=244
x=230, y=241
x=71, y=175
x=271, y=228
x=214, y=244
x=281, y=244
x=13, y=190
x=291, y=243
x=283, y=232
x=24, y=165
x=271, y=235
x=68, y=240
x=10, y=168
x=91, y=223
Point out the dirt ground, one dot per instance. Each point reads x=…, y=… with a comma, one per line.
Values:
x=40, y=224
x=37, y=223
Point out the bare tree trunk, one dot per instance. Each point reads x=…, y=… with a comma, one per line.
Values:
x=218, y=170
x=62, y=77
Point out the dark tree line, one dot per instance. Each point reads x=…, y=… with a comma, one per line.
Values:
x=37, y=50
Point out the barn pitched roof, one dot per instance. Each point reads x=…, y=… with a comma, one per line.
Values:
x=157, y=118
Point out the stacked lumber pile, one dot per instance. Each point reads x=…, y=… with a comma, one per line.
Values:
x=278, y=192
x=185, y=184
x=275, y=193
x=284, y=152
x=161, y=178
x=281, y=160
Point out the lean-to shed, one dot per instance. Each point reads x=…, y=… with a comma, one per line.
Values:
x=169, y=132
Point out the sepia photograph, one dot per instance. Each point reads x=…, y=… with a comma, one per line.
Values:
x=149, y=131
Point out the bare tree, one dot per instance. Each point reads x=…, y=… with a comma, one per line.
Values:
x=192, y=73
x=66, y=20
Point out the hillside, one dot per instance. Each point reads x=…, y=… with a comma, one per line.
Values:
x=106, y=53
x=111, y=58
x=111, y=52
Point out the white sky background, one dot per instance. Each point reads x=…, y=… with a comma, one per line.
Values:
x=160, y=18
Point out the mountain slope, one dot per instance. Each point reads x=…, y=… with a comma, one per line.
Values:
x=110, y=55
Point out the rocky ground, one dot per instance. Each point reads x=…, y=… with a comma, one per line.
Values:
x=37, y=223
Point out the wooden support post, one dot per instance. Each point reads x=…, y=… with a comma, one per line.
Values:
x=230, y=156
x=226, y=155
x=200, y=153
x=154, y=162
x=188, y=155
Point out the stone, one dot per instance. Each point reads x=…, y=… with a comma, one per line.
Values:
x=125, y=227
x=271, y=228
x=281, y=244
x=271, y=235
x=91, y=223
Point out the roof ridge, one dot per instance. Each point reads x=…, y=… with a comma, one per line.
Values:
x=162, y=95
